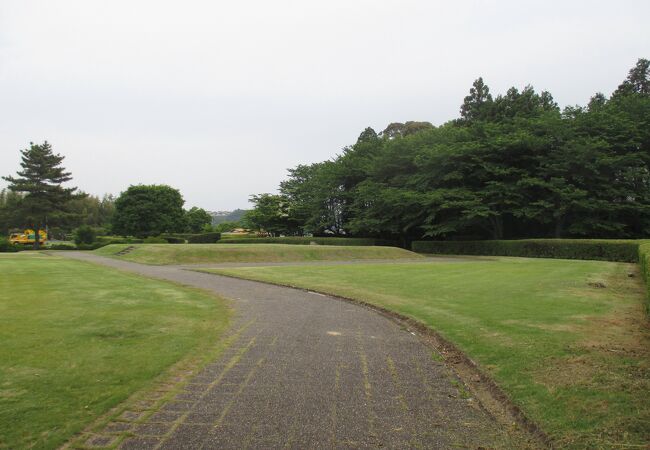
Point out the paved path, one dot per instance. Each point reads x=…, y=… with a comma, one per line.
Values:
x=309, y=371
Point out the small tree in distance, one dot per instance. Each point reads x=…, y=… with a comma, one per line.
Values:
x=197, y=220
x=41, y=180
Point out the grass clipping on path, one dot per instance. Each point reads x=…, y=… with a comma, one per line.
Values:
x=568, y=340
x=77, y=339
x=160, y=254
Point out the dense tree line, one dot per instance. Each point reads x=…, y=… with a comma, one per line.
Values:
x=85, y=209
x=37, y=198
x=511, y=166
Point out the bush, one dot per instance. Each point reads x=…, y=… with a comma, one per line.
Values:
x=62, y=247
x=154, y=240
x=204, y=238
x=84, y=235
x=173, y=239
x=7, y=247
x=118, y=240
x=303, y=240
x=93, y=246
x=598, y=249
x=644, y=262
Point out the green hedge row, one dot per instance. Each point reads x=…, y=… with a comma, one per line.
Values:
x=204, y=238
x=598, y=249
x=644, y=262
x=118, y=240
x=301, y=240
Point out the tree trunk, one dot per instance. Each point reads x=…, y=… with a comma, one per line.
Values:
x=559, y=227
x=496, y=224
x=37, y=236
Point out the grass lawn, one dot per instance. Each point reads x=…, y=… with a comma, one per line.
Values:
x=214, y=253
x=77, y=339
x=574, y=356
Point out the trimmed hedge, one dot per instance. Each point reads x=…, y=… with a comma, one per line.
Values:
x=154, y=240
x=63, y=247
x=173, y=239
x=598, y=249
x=302, y=240
x=644, y=262
x=118, y=240
x=204, y=238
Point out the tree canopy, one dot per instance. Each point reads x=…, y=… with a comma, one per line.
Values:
x=511, y=166
x=41, y=182
x=149, y=210
x=196, y=219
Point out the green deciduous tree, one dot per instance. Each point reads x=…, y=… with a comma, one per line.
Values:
x=273, y=214
x=513, y=166
x=148, y=210
x=196, y=219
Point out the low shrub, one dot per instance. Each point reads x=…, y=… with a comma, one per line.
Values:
x=154, y=240
x=304, y=240
x=93, y=246
x=644, y=262
x=184, y=236
x=85, y=234
x=8, y=247
x=62, y=247
x=204, y=238
x=598, y=249
x=118, y=240
x=173, y=239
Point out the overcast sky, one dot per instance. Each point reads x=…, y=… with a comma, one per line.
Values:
x=219, y=98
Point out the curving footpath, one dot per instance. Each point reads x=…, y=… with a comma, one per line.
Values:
x=309, y=371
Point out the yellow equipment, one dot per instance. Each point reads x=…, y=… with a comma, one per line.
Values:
x=28, y=237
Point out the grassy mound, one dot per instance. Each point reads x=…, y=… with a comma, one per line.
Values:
x=160, y=254
x=78, y=339
x=568, y=340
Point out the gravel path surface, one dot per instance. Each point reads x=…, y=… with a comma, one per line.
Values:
x=307, y=371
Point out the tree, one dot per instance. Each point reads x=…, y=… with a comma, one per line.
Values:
x=149, y=210
x=477, y=105
x=396, y=129
x=511, y=167
x=637, y=81
x=225, y=227
x=272, y=213
x=196, y=219
x=84, y=235
x=41, y=180
x=10, y=206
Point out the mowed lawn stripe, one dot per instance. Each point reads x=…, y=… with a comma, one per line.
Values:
x=77, y=339
x=568, y=340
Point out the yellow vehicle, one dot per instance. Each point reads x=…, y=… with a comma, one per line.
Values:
x=28, y=237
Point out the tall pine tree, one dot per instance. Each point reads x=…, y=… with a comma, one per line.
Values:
x=41, y=180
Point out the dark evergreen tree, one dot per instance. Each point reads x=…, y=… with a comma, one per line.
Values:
x=637, y=81
x=477, y=105
x=41, y=180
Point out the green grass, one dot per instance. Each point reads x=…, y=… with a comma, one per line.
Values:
x=575, y=357
x=210, y=253
x=77, y=339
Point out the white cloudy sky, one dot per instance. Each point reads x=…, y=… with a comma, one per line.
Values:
x=218, y=98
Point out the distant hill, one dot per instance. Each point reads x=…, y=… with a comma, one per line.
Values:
x=227, y=216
